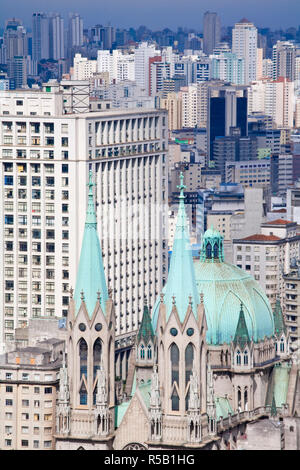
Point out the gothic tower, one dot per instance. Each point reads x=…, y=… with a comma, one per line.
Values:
x=90, y=348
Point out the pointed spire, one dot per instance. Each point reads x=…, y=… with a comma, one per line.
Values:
x=146, y=331
x=181, y=278
x=90, y=213
x=90, y=275
x=273, y=407
x=279, y=324
x=241, y=334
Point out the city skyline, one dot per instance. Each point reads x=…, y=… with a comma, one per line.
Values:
x=116, y=12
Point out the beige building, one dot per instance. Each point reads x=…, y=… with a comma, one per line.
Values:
x=251, y=173
x=173, y=104
x=267, y=256
x=28, y=383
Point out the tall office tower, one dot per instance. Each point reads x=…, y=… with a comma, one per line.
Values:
x=14, y=40
x=17, y=72
x=142, y=56
x=227, y=109
x=40, y=36
x=75, y=32
x=45, y=160
x=57, y=37
x=284, y=56
x=211, y=31
x=279, y=101
x=244, y=45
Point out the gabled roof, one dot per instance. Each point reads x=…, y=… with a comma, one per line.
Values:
x=90, y=276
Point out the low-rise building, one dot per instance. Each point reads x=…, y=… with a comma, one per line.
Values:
x=29, y=378
x=267, y=256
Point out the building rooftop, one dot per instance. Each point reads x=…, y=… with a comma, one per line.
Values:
x=261, y=238
x=280, y=222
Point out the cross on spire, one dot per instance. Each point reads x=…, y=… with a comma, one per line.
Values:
x=181, y=186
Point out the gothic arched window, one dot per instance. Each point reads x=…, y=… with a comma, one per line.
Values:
x=246, y=399
x=208, y=250
x=83, y=355
x=282, y=345
x=142, y=351
x=238, y=358
x=149, y=351
x=83, y=351
x=97, y=351
x=246, y=358
x=174, y=356
x=216, y=251
x=189, y=358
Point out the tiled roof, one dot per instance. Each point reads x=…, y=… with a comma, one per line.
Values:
x=262, y=238
x=280, y=222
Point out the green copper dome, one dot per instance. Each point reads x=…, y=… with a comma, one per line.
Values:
x=225, y=287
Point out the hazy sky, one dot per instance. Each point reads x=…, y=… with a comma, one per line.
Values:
x=157, y=14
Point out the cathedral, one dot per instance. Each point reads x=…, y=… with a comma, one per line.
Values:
x=210, y=361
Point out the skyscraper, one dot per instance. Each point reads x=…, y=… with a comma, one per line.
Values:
x=40, y=36
x=244, y=45
x=284, y=58
x=227, y=109
x=211, y=31
x=57, y=41
x=75, y=36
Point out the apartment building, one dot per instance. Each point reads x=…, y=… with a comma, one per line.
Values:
x=291, y=305
x=45, y=159
x=29, y=379
x=268, y=255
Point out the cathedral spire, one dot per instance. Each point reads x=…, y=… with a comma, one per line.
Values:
x=90, y=275
x=181, y=278
x=241, y=335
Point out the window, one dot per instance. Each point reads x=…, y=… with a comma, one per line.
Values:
x=238, y=358
x=9, y=389
x=8, y=402
x=24, y=443
x=142, y=351
x=83, y=350
x=25, y=402
x=174, y=355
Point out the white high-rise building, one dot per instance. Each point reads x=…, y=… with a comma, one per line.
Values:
x=57, y=37
x=45, y=159
x=244, y=45
x=143, y=54
x=119, y=66
x=83, y=68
